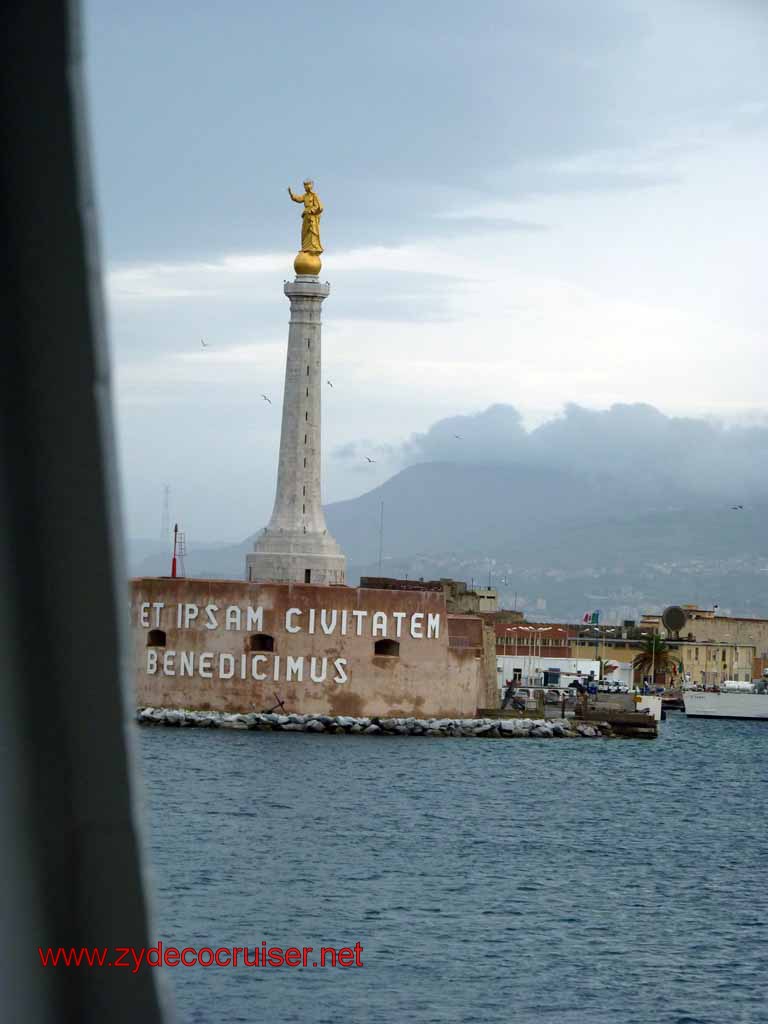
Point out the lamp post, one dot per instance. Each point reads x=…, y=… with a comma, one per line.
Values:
x=537, y=640
x=709, y=653
x=531, y=652
x=514, y=630
x=654, y=637
x=633, y=675
x=537, y=665
x=559, y=630
x=507, y=630
x=611, y=630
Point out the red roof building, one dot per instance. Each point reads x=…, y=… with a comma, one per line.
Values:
x=549, y=640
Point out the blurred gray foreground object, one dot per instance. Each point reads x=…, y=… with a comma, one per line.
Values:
x=69, y=852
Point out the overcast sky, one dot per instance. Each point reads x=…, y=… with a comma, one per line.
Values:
x=530, y=202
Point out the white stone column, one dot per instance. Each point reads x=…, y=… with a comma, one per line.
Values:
x=296, y=545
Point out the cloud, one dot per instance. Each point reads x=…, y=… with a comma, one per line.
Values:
x=505, y=214
x=192, y=279
x=354, y=456
x=495, y=435
x=633, y=443
x=238, y=273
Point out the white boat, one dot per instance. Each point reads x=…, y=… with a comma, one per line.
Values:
x=733, y=700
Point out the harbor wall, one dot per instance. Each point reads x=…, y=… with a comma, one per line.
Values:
x=235, y=646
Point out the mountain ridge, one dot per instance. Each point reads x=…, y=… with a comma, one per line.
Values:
x=543, y=529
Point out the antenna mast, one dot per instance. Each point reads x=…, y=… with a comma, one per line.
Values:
x=179, y=550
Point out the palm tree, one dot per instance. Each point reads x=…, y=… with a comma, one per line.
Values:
x=654, y=658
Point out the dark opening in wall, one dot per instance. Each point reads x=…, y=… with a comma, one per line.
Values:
x=156, y=638
x=391, y=648
x=261, y=642
x=307, y=575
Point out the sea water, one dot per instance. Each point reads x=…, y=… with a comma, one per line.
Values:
x=577, y=881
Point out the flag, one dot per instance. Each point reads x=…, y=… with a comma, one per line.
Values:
x=588, y=617
x=596, y=616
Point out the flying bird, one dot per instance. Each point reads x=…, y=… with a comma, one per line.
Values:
x=329, y=384
x=458, y=436
x=370, y=459
x=203, y=343
x=267, y=399
x=735, y=507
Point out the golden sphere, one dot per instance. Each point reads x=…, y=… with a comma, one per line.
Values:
x=307, y=263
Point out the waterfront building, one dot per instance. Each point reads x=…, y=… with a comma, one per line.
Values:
x=459, y=598
x=725, y=648
x=504, y=616
x=233, y=645
x=615, y=652
x=526, y=650
x=708, y=663
x=706, y=625
x=694, y=662
x=530, y=638
x=542, y=670
x=718, y=647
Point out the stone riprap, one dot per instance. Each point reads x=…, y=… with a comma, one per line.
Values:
x=489, y=728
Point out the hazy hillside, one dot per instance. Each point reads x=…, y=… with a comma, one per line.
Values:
x=535, y=515
x=564, y=541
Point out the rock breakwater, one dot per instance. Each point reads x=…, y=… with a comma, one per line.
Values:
x=487, y=728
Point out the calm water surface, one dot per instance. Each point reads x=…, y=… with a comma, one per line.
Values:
x=520, y=880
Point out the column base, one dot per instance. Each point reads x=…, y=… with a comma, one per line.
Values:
x=285, y=557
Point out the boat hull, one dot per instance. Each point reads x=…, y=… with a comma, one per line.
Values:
x=750, y=706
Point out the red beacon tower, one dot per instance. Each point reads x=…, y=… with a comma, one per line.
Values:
x=179, y=550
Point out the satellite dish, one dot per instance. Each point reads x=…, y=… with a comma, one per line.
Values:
x=674, y=618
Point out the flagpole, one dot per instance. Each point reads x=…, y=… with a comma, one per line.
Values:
x=653, y=664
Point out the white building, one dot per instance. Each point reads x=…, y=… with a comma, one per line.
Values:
x=528, y=670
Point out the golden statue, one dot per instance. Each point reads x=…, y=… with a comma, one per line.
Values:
x=308, y=260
